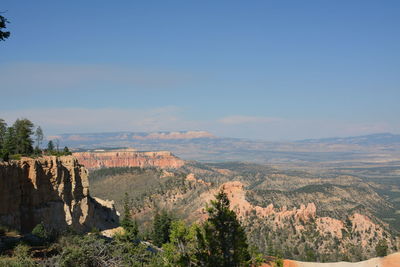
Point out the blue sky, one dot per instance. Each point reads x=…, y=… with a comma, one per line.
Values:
x=275, y=70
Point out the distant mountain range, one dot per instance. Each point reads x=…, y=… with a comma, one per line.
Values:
x=203, y=146
x=371, y=139
x=82, y=139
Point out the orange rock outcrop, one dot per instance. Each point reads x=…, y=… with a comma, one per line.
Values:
x=237, y=196
x=128, y=158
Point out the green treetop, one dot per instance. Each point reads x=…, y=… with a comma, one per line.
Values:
x=23, y=130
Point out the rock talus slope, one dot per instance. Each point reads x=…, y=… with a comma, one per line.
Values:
x=52, y=190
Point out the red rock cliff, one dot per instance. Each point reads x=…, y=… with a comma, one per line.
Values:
x=126, y=158
x=52, y=190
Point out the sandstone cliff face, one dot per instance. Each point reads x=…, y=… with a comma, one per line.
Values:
x=52, y=190
x=126, y=158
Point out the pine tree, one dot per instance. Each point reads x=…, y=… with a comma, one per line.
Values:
x=270, y=249
x=57, y=142
x=225, y=238
x=182, y=248
x=23, y=131
x=3, y=131
x=161, y=228
x=66, y=151
x=39, y=136
x=130, y=226
x=50, y=146
x=9, y=146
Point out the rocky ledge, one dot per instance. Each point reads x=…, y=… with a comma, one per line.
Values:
x=54, y=191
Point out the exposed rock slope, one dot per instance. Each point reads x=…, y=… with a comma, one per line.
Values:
x=52, y=190
x=355, y=237
x=128, y=158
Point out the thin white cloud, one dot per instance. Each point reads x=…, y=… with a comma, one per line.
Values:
x=50, y=77
x=69, y=120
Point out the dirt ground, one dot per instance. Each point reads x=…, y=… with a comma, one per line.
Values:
x=392, y=260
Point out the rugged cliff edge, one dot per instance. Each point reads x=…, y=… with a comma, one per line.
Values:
x=128, y=158
x=52, y=190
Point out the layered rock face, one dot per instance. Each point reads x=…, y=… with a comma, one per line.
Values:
x=52, y=190
x=128, y=158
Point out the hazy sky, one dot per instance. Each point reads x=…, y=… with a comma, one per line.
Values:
x=274, y=70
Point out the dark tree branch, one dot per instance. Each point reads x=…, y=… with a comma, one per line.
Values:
x=3, y=25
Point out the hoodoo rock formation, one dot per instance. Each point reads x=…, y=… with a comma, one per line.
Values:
x=325, y=225
x=128, y=158
x=301, y=223
x=52, y=190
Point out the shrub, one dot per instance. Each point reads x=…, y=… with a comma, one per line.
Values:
x=93, y=250
x=95, y=231
x=278, y=262
x=22, y=258
x=41, y=232
x=381, y=248
x=10, y=262
x=15, y=157
x=82, y=251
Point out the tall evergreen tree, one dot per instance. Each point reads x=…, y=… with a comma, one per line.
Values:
x=225, y=238
x=50, y=146
x=130, y=226
x=3, y=131
x=161, y=228
x=23, y=131
x=39, y=136
x=9, y=146
x=57, y=142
